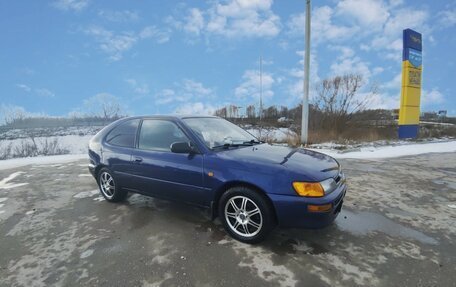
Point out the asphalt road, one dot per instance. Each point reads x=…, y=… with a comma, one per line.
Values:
x=397, y=228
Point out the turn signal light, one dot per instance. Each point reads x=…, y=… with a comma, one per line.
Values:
x=319, y=208
x=309, y=189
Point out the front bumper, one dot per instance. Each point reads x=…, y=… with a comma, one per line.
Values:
x=292, y=211
x=91, y=168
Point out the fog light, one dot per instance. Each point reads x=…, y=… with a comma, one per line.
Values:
x=319, y=208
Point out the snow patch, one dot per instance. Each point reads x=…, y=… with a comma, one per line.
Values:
x=392, y=151
x=86, y=194
x=41, y=160
x=260, y=261
x=84, y=175
x=100, y=198
x=86, y=253
x=4, y=183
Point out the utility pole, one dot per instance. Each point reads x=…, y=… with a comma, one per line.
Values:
x=305, y=101
x=261, y=88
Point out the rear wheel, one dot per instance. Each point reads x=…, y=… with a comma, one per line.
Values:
x=108, y=187
x=246, y=214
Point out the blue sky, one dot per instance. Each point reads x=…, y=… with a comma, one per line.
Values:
x=59, y=57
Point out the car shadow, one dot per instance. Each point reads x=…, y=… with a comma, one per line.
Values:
x=281, y=241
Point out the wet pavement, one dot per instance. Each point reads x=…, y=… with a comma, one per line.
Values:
x=397, y=228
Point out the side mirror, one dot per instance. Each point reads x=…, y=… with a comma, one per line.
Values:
x=183, y=147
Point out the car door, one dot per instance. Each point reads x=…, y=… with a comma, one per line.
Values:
x=162, y=173
x=118, y=146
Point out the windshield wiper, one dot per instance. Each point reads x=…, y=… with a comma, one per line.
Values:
x=228, y=145
x=252, y=142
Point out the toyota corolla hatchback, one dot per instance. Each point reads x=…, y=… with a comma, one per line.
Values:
x=207, y=161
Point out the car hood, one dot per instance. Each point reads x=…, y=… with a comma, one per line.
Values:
x=304, y=164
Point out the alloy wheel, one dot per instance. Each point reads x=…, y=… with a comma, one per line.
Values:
x=243, y=216
x=107, y=185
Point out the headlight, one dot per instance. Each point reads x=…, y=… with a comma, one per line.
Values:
x=314, y=189
x=328, y=185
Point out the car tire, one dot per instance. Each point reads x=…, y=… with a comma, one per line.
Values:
x=246, y=214
x=110, y=190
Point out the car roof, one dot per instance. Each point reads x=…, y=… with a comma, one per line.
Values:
x=170, y=117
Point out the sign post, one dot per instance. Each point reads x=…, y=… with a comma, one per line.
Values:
x=409, y=113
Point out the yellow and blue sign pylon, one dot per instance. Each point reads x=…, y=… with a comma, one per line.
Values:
x=409, y=113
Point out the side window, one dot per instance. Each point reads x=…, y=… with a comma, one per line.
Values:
x=159, y=135
x=124, y=134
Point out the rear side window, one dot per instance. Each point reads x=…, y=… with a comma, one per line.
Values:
x=159, y=135
x=124, y=134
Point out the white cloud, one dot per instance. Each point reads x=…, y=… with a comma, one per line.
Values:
x=447, y=18
x=112, y=44
x=244, y=18
x=194, y=22
x=196, y=89
x=377, y=70
x=382, y=101
x=395, y=83
x=138, y=88
x=119, y=16
x=75, y=5
x=323, y=28
x=115, y=44
x=351, y=65
x=43, y=92
x=431, y=98
x=24, y=87
x=161, y=36
x=250, y=86
x=391, y=36
x=197, y=108
x=368, y=13
x=231, y=19
x=296, y=87
x=344, y=51
x=167, y=96
x=184, y=91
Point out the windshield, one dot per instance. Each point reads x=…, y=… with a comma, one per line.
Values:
x=217, y=132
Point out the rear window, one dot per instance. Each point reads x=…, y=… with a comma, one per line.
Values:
x=124, y=134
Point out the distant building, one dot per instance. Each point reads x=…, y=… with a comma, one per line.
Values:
x=442, y=114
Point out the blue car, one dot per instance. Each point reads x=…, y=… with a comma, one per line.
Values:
x=207, y=161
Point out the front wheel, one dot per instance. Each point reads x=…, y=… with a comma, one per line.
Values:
x=246, y=214
x=108, y=187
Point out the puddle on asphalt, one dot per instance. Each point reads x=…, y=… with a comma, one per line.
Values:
x=363, y=222
x=448, y=184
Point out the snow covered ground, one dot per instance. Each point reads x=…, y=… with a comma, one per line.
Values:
x=75, y=142
x=280, y=135
x=405, y=149
x=389, y=151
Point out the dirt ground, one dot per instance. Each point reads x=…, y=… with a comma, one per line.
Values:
x=397, y=228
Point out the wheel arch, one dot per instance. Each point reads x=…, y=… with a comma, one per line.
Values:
x=97, y=170
x=226, y=186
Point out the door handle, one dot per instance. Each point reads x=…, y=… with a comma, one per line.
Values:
x=138, y=159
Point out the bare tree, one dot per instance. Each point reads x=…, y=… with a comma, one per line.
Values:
x=221, y=112
x=11, y=114
x=251, y=111
x=103, y=105
x=338, y=98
